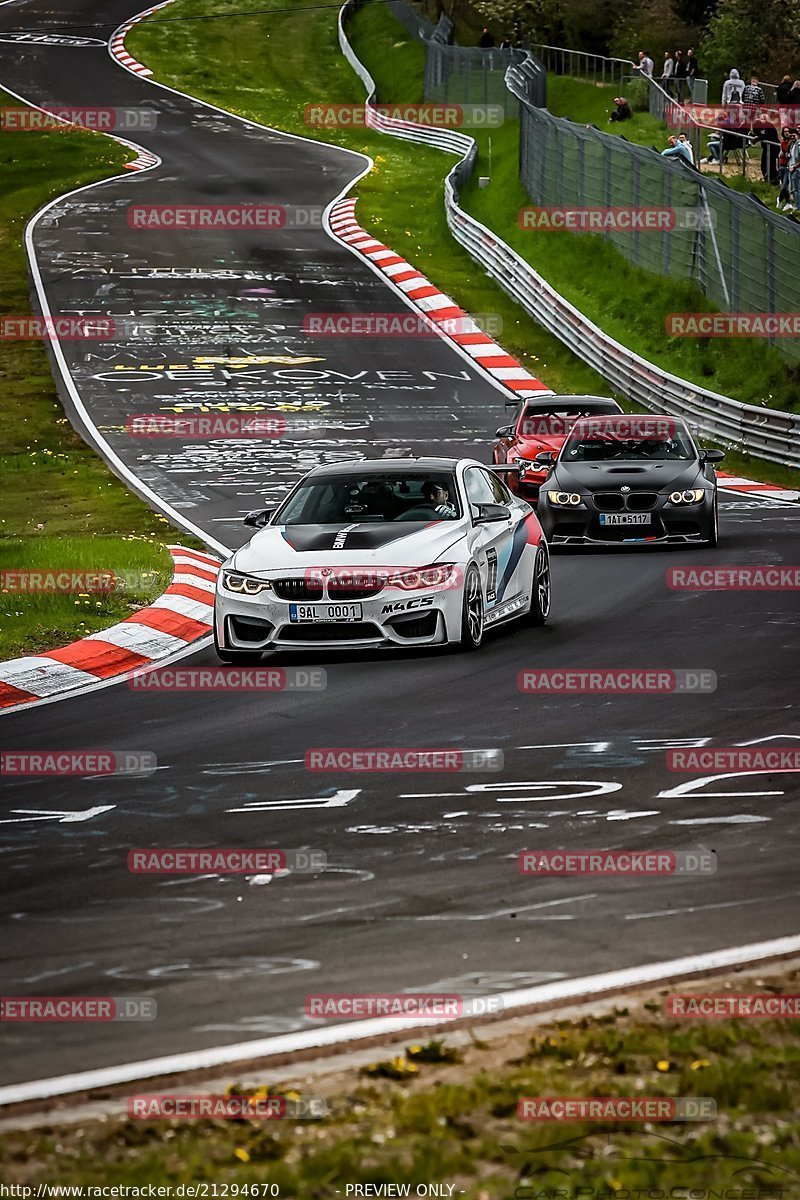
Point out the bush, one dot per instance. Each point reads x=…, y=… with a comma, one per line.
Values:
x=638, y=95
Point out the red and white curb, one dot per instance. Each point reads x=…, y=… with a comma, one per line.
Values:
x=764, y=491
x=182, y=615
x=435, y=305
x=117, y=43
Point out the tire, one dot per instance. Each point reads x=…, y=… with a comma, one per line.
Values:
x=240, y=658
x=539, y=610
x=713, y=532
x=472, y=612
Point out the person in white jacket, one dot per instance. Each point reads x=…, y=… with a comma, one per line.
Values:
x=733, y=88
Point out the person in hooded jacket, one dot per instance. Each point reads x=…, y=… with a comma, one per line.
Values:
x=733, y=88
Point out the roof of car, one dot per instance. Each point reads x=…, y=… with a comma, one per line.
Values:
x=567, y=401
x=383, y=465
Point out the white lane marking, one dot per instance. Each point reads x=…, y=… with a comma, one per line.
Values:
x=62, y=971
x=63, y=817
x=503, y=912
x=693, y=908
x=691, y=785
x=558, y=992
x=734, y=819
x=622, y=814
x=338, y=800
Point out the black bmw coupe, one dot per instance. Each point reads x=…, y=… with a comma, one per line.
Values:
x=630, y=479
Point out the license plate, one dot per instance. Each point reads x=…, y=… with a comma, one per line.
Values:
x=324, y=612
x=624, y=518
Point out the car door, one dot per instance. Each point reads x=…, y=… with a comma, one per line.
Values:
x=493, y=543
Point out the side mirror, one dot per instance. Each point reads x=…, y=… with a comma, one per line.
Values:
x=505, y=431
x=545, y=458
x=486, y=514
x=707, y=456
x=259, y=517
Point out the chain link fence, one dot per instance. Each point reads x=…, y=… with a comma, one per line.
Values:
x=742, y=256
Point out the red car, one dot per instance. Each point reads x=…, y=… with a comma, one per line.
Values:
x=542, y=423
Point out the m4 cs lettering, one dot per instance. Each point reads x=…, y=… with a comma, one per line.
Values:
x=404, y=605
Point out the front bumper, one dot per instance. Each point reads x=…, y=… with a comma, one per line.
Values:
x=666, y=525
x=391, y=618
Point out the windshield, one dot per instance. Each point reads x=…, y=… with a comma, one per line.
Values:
x=557, y=422
x=626, y=438
x=372, y=496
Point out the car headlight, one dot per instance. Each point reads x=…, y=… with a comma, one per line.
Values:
x=565, y=499
x=244, y=584
x=438, y=575
x=690, y=496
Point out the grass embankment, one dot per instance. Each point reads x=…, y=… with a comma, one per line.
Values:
x=447, y=1115
x=60, y=507
x=270, y=67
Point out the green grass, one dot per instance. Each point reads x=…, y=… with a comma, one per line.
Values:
x=430, y=1115
x=590, y=104
x=269, y=68
x=59, y=504
x=40, y=621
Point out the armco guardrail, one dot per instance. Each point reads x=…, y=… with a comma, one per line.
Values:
x=764, y=432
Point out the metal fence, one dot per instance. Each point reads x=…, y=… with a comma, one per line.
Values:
x=761, y=431
x=466, y=75
x=742, y=256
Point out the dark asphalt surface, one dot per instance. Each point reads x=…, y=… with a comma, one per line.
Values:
x=422, y=891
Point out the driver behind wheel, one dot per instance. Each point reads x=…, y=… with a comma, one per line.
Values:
x=438, y=497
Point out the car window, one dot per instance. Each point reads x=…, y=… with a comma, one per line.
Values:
x=500, y=492
x=479, y=487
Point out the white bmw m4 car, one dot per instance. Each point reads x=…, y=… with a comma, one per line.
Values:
x=406, y=552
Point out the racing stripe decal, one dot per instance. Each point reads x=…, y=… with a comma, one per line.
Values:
x=518, y=544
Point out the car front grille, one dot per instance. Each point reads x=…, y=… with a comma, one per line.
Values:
x=297, y=589
x=632, y=501
x=355, y=587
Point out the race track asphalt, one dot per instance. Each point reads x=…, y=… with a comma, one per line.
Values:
x=421, y=890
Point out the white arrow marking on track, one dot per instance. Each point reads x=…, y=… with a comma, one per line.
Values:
x=63, y=818
x=338, y=800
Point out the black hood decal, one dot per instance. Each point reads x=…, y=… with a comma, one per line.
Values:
x=370, y=535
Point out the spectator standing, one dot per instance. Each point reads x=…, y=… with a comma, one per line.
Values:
x=645, y=63
x=667, y=72
x=506, y=43
x=784, y=90
x=752, y=98
x=692, y=70
x=794, y=174
x=680, y=75
x=733, y=88
x=622, y=112
x=486, y=40
x=784, y=200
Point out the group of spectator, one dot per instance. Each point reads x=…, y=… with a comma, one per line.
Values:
x=678, y=71
x=742, y=122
